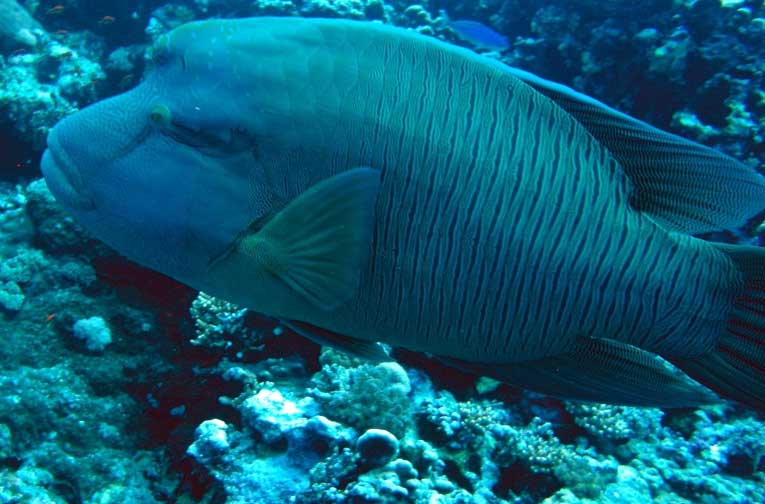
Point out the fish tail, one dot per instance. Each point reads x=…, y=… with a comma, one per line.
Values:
x=735, y=369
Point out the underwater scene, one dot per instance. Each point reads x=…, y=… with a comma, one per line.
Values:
x=381, y=251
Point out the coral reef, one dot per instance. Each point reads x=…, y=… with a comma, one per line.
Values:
x=18, y=29
x=363, y=395
x=39, y=89
x=94, y=333
x=214, y=320
x=120, y=385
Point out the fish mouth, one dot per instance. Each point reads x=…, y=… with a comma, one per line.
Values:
x=63, y=178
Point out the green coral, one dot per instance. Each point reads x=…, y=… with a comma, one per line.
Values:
x=11, y=296
x=217, y=322
x=615, y=423
x=459, y=425
x=689, y=123
x=352, y=9
x=739, y=444
x=364, y=396
x=31, y=108
x=535, y=446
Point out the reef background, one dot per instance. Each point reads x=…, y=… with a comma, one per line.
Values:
x=118, y=385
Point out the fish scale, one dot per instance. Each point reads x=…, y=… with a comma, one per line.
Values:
x=445, y=261
x=510, y=340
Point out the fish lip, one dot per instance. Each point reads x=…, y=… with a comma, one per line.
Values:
x=56, y=165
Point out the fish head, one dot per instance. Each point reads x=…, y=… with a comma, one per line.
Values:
x=167, y=173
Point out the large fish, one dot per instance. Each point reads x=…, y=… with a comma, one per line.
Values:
x=365, y=183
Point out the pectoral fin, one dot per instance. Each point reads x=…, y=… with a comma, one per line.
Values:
x=319, y=243
x=366, y=349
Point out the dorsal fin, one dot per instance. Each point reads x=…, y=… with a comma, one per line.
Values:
x=683, y=185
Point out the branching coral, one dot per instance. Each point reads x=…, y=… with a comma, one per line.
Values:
x=364, y=396
x=615, y=423
x=215, y=321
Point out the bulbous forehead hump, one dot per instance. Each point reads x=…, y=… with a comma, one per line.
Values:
x=220, y=37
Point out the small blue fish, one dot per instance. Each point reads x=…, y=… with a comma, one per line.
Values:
x=480, y=35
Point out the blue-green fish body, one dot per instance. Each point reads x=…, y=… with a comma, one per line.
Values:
x=365, y=183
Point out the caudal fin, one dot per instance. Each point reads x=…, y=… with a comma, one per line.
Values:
x=736, y=368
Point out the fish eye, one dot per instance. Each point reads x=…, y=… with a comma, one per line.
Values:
x=210, y=141
x=161, y=116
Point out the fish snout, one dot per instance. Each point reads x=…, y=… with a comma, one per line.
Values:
x=63, y=176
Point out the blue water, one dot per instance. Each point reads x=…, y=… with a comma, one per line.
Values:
x=118, y=384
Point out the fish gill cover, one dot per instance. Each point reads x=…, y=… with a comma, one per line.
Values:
x=118, y=384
